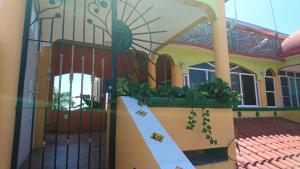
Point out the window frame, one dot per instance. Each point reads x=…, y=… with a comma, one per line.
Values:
x=242, y=88
x=294, y=79
x=186, y=80
x=240, y=74
x=273, y=92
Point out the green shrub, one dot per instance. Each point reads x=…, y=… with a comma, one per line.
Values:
x=211, y=90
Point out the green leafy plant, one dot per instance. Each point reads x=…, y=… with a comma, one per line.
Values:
x=257, y=114
x=216, y=91
x=192, y=120
x=87, y=99
x=219, y=91
x=61, y=100
x=206, y=127
x=239, y=113
x=127, y=87
x=169, y=91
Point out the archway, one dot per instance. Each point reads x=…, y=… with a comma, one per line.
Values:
x=164, y=65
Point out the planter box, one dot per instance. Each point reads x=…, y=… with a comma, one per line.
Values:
x=175, y=119
x=173, y=116
x=182, y=102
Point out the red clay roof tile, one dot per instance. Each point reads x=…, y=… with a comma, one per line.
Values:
x=267, y=143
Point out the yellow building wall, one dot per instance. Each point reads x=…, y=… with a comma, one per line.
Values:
x=293, y=115
x=187, y=56
x=175, y=120
x=252, y=114
x=191, y=55
x=291, y=61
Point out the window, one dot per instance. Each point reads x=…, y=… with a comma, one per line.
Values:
x=290, y=86
x=186, y=80
x=270, y=88
x=249, y=89
x=242, y=81
x=201, y=73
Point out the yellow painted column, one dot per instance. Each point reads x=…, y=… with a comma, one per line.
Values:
x=41, y=97
x=11, y=31
x=262, y=93
x=278, y=91
x=152, y=72
x=221, y=43
x=176, y=77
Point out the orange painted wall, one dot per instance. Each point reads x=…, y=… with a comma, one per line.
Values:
x=11, y=32
x=131, y=150
x=174, y=121
x=98, y=121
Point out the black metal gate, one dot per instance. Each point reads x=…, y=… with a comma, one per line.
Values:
x=68, y=80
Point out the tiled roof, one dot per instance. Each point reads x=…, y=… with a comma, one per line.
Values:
x=267, y=143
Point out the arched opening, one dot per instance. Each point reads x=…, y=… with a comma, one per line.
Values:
x=79, y=105
x=270, y=88
x=87, y=89
x=163, y=70
x=242, y=81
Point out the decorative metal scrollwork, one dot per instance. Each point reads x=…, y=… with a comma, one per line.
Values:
x=54, y=4
x=127, y=38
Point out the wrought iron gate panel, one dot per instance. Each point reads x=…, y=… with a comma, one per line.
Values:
x=77, y=39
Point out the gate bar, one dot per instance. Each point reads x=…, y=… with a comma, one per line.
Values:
x=61, y=56
x=19, y=101
x=81, y=93
x=102, y=109
x=47, y=95
x=112, y=136
x=71, y=78
x=36, y=85
x=92, y=100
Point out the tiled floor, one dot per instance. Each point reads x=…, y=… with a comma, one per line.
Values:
x=73, y=151
x=267, y=143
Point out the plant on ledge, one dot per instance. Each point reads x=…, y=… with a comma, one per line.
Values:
x=214, y=93
x=141, y=92
x=206, y=127
x=209, y=94
x=218, y=91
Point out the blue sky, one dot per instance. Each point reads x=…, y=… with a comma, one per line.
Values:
x=258, y=12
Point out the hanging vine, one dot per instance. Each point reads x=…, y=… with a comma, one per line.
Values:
x=192, y=120
x=206, y=127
